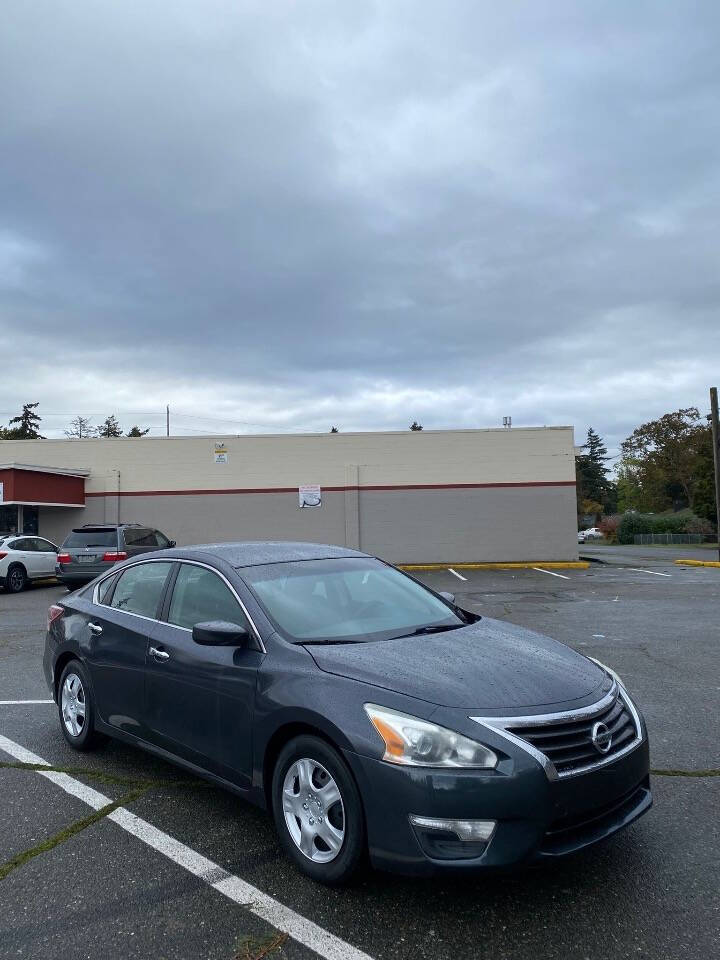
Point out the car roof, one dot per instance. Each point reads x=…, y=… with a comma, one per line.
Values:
x=251, y=553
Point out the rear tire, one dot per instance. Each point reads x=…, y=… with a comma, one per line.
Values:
x=318, y=811
x=15, y=578
x=76, y=708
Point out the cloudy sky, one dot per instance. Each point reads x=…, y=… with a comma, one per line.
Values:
x=280, y=216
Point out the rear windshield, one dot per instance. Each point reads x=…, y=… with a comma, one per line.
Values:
x=92, y=538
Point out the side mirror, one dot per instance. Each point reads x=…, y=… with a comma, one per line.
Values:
x=173, y=543
x=450, y=597
x=220, y=633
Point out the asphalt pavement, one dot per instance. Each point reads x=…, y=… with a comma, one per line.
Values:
x=97, y=890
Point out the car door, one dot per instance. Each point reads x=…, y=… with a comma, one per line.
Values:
x=28, y=556
x=47, y=556
x=121, y=625
x=200, y=699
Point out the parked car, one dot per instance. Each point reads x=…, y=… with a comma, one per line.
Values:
x=367, y=712
x=592, y=533
x=90, y=550
x=24, y=558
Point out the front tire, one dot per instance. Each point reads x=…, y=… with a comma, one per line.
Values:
x=16, y=578
x=76, y=708
x=317, y=810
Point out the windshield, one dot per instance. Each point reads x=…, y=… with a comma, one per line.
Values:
x=91, y=538
x=347, y=600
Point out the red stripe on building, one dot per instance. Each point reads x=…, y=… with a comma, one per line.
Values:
x=343, y=489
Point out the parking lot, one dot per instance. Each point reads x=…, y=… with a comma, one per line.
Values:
x=200, y=875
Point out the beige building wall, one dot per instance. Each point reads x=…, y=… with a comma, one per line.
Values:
x=434, y=496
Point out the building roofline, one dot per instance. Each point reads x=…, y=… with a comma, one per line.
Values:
x=36, y=468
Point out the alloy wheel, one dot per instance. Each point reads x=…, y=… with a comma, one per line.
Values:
x=16, y=580
x=73, y=705
x=313, y=810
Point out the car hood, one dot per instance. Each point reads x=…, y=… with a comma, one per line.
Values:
x=490, y=665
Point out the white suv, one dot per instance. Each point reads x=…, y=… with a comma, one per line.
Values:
x=24, y=558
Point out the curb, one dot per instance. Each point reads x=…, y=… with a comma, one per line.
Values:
x=698, y=563
x=529, y=565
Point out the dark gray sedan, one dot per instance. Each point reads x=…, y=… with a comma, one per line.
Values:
x=368, y=713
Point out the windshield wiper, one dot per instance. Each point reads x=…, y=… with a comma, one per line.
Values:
x=430, y=628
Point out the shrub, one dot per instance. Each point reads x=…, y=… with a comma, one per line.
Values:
x=700, y=525
x=609, y=527
x=632, y=523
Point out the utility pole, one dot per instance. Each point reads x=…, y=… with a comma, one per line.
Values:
x=716, y=453
x=167, y=419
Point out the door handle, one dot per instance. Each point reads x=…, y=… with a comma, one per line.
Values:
x=161, y=655
x=95, y=628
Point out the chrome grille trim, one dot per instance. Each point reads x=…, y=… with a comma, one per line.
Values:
x=508, y=728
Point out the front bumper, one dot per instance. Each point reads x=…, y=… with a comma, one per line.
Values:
x=537, y=819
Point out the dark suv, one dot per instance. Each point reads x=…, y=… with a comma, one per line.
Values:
x=91, y=550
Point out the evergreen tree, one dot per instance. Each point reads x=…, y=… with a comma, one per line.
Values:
x=593, y=485
x=110, y=428
x=415, y=425
x=27, y=425
x=137, y=432
x=334, y=430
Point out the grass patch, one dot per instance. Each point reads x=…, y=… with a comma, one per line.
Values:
x=74, y=828
x=251, y=949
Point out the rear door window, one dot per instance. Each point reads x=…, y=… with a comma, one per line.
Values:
x=26, y=544
x=139, y=537
x=104, y=590
x=140, y=588
x=200, y=596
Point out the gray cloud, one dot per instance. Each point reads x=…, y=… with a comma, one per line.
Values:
x=297, y=215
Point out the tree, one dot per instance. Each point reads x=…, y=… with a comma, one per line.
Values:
x=664, y=459
x=704, y=500
x=593, y=485
x=334, y=430
x=27, y=425
x=80, y=428
x=110, y=428
x=137, y=432
x=415, y=425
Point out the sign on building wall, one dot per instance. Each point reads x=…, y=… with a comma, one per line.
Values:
x=2, y=492
x=221, y=453
x=310, y=495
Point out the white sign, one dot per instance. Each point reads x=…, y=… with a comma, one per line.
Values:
x=2, y=492
x=310, y=495
x=221, y=453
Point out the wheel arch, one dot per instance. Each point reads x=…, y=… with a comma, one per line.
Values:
x=286, y=732
x=62, y=661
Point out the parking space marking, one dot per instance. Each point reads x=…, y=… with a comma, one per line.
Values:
x=653, y=572
x=456, y=574
x=15, y=703
x=309, y=934
x=551, y=573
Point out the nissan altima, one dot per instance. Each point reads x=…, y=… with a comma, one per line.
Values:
x=369, y=714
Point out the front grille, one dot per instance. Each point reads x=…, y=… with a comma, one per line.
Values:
x=568, y=743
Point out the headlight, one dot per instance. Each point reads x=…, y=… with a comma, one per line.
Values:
x=419, y=743
x=607, y=669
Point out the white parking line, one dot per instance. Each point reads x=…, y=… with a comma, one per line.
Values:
x=15, y=703
x=456, y=574
x=552, y=573
x=316, y=938
x=653, y=572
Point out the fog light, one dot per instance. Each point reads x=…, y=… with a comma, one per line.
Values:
x=470, y=830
